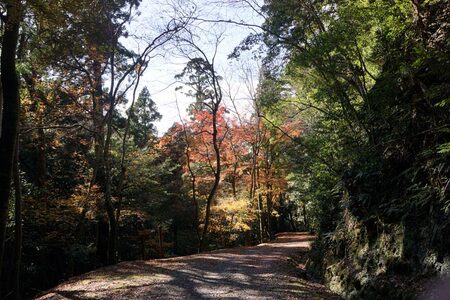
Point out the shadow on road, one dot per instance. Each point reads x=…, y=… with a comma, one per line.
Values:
x=260, y=272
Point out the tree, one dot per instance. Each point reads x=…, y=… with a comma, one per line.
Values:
x=10, y=109
x=204, y=80
x=143, y=116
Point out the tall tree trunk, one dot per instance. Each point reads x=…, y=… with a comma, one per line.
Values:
x=99, y=125
x=1, y=108
x=10, y=113
x=18, y=224
x=213, y=190
x=102, y=239
x=99, y=177
x=260, y=218
x=112, y=237
x=110, y=210
x=305, y=219
x=269, y=203
x=269, y=194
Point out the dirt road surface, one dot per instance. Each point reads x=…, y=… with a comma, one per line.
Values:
x=266, y=271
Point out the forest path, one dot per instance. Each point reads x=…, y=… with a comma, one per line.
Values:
x=266, y=271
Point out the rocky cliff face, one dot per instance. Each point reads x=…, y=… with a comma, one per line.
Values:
x=389, y=264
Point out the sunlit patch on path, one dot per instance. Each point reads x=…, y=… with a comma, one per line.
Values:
x=260, y=272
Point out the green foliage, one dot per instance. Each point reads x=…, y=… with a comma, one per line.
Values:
x=142, y=117
x=370, y=82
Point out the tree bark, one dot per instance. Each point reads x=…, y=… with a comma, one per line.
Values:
x=18, y=224
x=99, y=125
x=1, y=108
x=305, y=218
x=102, y=239
x=10, y=113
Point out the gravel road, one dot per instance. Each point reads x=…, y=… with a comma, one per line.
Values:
x=266, y=271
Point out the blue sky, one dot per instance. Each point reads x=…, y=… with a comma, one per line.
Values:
x=159, y=77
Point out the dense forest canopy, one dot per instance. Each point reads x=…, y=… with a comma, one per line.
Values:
x=330, y=117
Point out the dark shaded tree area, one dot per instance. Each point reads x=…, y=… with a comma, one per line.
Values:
x=66, y=75
x=370, y=81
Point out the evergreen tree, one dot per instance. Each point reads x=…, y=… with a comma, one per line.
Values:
x=143, y=116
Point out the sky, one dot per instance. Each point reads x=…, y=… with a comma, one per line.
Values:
x=159, y=76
